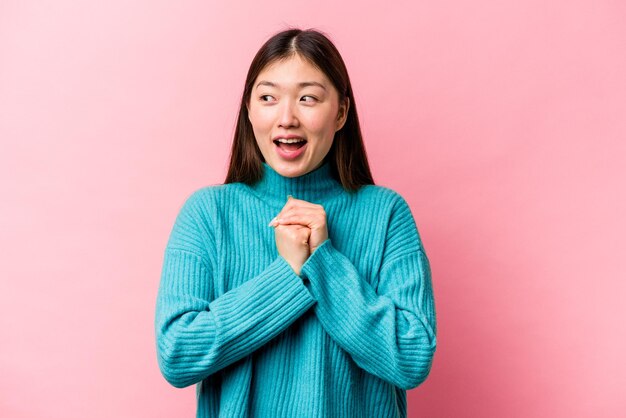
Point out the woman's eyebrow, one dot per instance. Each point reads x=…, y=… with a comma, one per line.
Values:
x=301, y=85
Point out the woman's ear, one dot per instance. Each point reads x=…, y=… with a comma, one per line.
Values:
x=248, y=110
x=342, y=115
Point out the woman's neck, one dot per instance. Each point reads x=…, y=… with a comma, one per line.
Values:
x=315, y=186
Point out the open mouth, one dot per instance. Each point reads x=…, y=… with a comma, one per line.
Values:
x=290, y=145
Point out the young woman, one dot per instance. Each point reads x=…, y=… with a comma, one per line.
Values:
x=297, y=288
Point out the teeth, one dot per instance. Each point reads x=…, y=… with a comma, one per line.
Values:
x=290, y=141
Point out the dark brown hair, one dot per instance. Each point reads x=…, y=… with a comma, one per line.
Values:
x=347, y=156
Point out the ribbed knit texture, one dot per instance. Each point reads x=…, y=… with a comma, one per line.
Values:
x=346, y=338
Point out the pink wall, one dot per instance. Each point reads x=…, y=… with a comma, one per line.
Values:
x=502, y=122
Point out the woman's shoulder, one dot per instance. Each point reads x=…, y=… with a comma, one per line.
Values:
x=200, y=205
x=388, y=201
x=381, y=194
x=209, y=197
x=395, y=208
x=210, y=194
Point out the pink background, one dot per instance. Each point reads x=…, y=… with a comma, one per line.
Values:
x=501, y=122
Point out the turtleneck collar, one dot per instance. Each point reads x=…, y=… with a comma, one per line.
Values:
x=316, y=186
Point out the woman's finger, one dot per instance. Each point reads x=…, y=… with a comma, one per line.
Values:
x=304, y=216
x=307, y=218
x=297, y=207
x=292, y=202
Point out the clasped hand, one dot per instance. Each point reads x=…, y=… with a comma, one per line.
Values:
x=300, y=227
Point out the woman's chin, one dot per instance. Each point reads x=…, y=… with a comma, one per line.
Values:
x=291, y=168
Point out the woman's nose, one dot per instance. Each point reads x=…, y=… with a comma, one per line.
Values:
x=287, y=117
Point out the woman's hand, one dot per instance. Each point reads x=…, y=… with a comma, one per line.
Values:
x=306, y=214
x=292, y=242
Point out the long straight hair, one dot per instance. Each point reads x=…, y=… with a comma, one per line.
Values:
x=347, y=156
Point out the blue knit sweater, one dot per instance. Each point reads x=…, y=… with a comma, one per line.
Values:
x=346, y=338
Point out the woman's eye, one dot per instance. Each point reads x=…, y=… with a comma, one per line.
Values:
x=308, y=99
x=266, y=98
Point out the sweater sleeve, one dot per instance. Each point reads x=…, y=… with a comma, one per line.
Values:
x=389, y=331
x=198, y=335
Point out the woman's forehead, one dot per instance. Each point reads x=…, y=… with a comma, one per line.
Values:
x=292, y=71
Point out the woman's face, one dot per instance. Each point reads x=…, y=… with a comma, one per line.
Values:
x=292, y=100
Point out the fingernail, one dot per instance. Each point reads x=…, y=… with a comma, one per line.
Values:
x=272, y=222
x=289, y=196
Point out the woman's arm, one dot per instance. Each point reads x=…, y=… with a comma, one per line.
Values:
x=390, y=331
x=196, y=335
